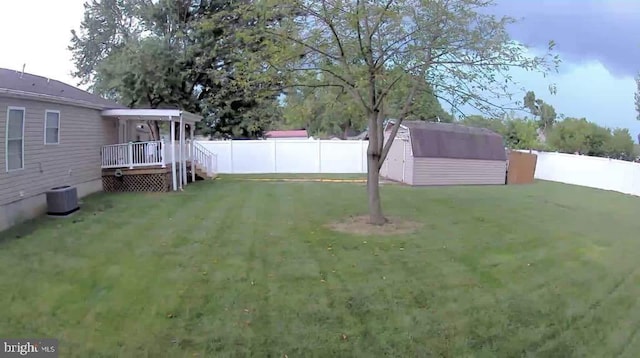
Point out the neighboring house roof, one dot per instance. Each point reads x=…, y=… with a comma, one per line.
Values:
x=287, y=134
x=18, y=83
x=362, y=136
x=450, y=140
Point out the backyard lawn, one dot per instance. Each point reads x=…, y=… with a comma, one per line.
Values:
x=234, y=268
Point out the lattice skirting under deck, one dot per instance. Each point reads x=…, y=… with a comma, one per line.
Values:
x=137, y=182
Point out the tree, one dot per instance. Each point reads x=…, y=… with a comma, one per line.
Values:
x=580, y=136
x=177, y=53
x=517, y=133
x=360, y=45
x=539, y=108
x=425, y=106
x=144, y=73
x=325, y=111
x=322, y=111
x=521, y=134
x=331, y=111
x=637, y=100
x=107, y=26
x=620, y=145
x=495, y=124
x=571, y=136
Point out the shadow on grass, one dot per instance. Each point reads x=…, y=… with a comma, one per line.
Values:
x=89, y=205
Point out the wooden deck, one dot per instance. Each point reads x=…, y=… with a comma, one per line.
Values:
x=156, y=169
x=145, y=166
x=145, y=179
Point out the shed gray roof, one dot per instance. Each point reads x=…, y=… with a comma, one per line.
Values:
x=451, y=140
x=24, y=82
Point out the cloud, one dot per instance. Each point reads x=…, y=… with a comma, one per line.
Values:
x=584, y=31
x=588, y=90
x=584, y=90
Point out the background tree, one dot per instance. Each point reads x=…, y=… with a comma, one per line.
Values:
x=574, y=135
x=178, y=53
x=620, y=145
x=425, y=106
x=495, y=124
x=571, y=136
x=518, y=133
x=637, y=100
x=325, y=111
x=359, y=45
x=521, y=134
x=545, y=112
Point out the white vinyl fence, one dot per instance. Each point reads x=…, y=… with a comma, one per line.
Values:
x=337, y=156
x=289, y=156
x=594, y=172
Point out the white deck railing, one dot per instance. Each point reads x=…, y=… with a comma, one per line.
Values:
x=157, y=153
x=204, y=158
x=134, y=155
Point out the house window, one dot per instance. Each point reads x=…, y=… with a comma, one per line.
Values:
x=52, y=127
x=15, y=139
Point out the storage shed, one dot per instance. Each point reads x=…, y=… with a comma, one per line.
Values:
x=428, y=153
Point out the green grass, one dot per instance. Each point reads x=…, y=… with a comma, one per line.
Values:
x=294, y=176
x=234, y=268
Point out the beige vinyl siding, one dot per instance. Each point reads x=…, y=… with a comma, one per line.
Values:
x=444, y=171
x=75, y=160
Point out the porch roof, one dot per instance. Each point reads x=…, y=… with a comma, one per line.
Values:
x=152, y=114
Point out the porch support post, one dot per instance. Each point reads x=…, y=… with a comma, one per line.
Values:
x=185, y=152
x=180, y=132
x=163, y=155
x=173, y=154
x=191, y=152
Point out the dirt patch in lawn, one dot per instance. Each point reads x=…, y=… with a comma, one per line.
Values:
x=359, y=225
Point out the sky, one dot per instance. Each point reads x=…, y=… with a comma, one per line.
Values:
x=596, y=39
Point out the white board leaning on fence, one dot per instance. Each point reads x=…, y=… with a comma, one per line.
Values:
x=289, y=156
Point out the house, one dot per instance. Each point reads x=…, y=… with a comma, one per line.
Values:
x=57, y=135
x=287, y=134
x=431, y=153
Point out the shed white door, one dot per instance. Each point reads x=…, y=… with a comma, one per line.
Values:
x=396, y=161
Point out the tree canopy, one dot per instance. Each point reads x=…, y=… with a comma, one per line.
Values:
x=545, y=112
x=577, y=135
x=178, y=53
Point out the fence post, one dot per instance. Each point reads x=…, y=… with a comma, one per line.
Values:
x=275, y=157
x=231, y=154
x=130, y=149
x=363, y=156
x=320, y=156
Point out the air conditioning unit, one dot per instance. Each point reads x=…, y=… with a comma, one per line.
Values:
x=62, y=201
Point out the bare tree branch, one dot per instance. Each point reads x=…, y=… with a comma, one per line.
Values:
x=396, y=126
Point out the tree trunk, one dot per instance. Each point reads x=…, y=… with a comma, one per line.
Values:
x=376, y=217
